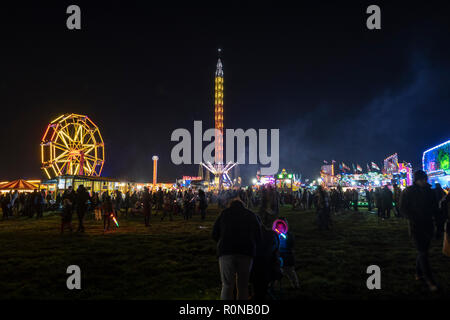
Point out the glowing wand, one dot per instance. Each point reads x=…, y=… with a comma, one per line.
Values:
x=280, y=233
x=115, y=220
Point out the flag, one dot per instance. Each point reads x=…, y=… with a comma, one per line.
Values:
x=353, y=166
x=358, y=167
x=368, y=168
x=374, y=165
x=325, y=161
x=345, y=167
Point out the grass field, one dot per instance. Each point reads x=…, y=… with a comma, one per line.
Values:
x=176, y=260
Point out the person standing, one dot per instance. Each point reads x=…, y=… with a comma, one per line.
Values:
x=369, y=199
x=167, y=207
x=266, y=266
x=397, y=193
x=82, y=198
x=386, y=202
x=378, y=200
x=147, y=206
x=5, y=203
x=68, y=201
x=202, y=203
x=418, y=204
x=39, y=201
x=323, y=209
x=127, y=202
x=107, y=206
x=442, y=214
x=96, y=204
x=117, y=202
x=287, y=243
x=355, y=199
x=237, y=232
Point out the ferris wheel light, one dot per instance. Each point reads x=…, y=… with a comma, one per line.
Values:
x=72, y=144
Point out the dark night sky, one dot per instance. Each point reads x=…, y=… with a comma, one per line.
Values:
x=334, y=89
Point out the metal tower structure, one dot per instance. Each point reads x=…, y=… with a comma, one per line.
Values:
x=219, y=169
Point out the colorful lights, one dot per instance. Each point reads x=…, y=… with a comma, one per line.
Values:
x=114, y=219
x=155, y=169
x=72, y=144
x=219, y=168
x=280, y=227
x=436, y=162
x=280, y=233
x=218, y=111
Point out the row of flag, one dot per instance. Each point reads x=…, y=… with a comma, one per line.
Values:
x=343, y=167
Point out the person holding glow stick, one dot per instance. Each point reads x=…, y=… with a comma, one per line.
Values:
x=287, y=243
x=107, y=212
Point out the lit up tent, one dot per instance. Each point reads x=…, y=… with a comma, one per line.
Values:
x=20, y=185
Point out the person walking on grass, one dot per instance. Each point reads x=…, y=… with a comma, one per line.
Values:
x=96, y=204
x=82, y=198
x=202, y=203
x=287, y=244
x=68, y=200
x=237, y=232
x=266, y=267
x=397, y=193
x=323, y=209
x=442, y=214
x=386, y=202
x=167, y=207
x=147, y=206
x=107, y=206
x=418, y=204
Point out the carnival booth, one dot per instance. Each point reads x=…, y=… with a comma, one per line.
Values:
x=286, y=181
x=436, y=163
x=19, y=185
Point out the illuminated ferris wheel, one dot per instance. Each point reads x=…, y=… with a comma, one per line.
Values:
x=72, y=145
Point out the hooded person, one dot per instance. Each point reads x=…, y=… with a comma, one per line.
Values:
x=237, y=232
x=287, y=243
x=418, y=204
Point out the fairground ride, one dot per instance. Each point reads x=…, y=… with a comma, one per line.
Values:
x=72, y=145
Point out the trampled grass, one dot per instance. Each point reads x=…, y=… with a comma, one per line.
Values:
x=176, y=259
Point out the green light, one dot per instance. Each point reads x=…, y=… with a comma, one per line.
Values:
x=444, y=161
x=289, y=176
x=280, y=176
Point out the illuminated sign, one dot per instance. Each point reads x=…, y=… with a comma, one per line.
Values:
x=189, y=178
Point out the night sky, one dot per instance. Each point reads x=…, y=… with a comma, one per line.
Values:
x=335, y=89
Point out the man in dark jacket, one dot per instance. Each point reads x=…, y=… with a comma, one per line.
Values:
x=386, y=202
x=418, y=204
x=202, y=203
x=147, y=206
x=82, y=198
x=237, y=232
x=266, y=264
x=397, y=193
x=442, y=214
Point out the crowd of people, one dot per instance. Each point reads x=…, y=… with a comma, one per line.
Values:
x=24, y=204
x=249, y=250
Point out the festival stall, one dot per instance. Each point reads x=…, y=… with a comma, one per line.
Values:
x=436, y=163
x=19, y=185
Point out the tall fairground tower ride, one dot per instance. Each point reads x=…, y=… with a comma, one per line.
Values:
x=218, y=110
x=219, y=169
